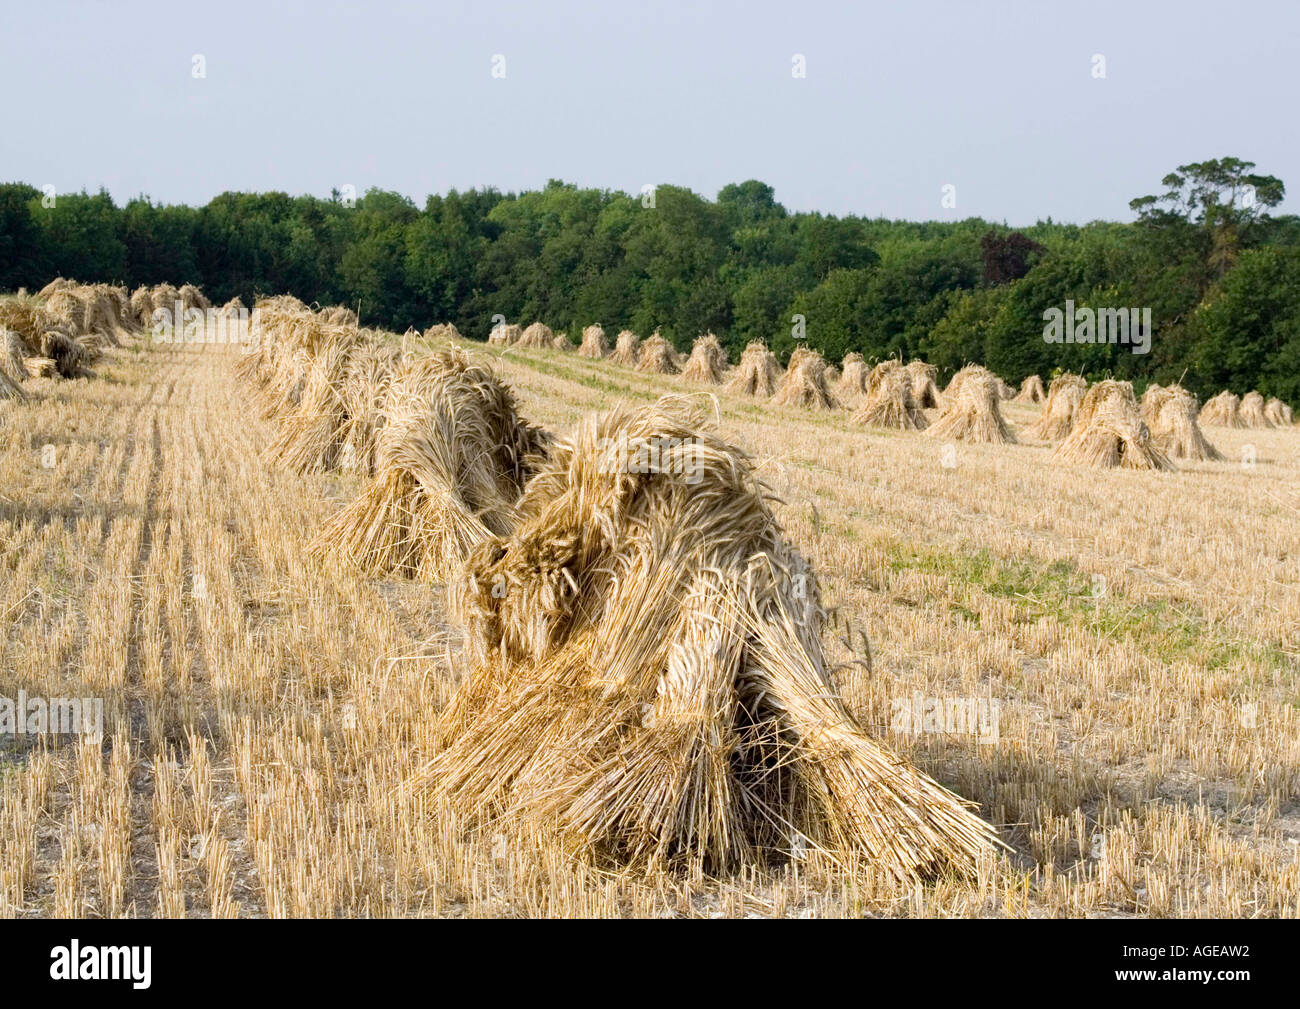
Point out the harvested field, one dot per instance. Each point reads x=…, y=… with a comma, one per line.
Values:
x=265, y=708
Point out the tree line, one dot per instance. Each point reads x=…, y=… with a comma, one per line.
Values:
x=1220, y=274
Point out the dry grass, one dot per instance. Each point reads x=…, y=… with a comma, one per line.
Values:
x=707, y=364
x=450, y=463
x=1171, y=415
x=1031, y=391
x=265, y=710
x=889, y=401
x=758, y=372
x=1108, y=431
x=852, y=384
x=650, y=685
x=1223, y=410
x=971, y=410
x=1252, y=411
x=924, y=390
x=594, y=344
x=1063, y=398
x=805, y=384
x=627, y=349
x=657, y=356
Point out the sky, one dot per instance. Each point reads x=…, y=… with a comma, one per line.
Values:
x=1001, y=101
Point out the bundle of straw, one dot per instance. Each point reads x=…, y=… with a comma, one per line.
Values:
x=1279, y=413
x=450, y=462
x=1251, y=412
x=1031, y=390
x=166, y=296
x=68, y=354
x=25, y=315
x=54, y=286
x=757, y=373
x=1109, y=432
x=707, y=363
x=371, y=368
x=192, y=297
x=142, y=306
x=954, y=383
x=627, y=349
x=67, y=309
x=442, y=331
x=287, y=337
x=102, y=312
x=594, y=344
x=265, y=342
x=650, y=684
x=311, y=436
x=13, y=367
x=504, y=335
x=805, y=383
x=658, y=356
x=852, y=385
x=924, y=391
x=972, y=410
x=1153, y=399
x=889, y=402
x=538, y=336
x=1223, y=410
x=1170, y=414
x=1063, y=398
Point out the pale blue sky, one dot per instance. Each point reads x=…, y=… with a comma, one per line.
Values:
x=997, y=99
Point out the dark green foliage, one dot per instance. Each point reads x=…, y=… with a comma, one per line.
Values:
x=1247, y=334
x=1220, y=275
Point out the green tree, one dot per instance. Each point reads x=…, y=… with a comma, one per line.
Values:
x=21, y=260
x=1247, y=333
x=1222, y=200
x=80, y=237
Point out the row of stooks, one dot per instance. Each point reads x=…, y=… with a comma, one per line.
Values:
x=649, y=684
x=1102, y=425
x=62, y=329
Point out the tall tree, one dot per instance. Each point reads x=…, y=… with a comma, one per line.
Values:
x=1222, y=199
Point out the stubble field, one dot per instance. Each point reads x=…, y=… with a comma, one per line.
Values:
x=1136, y=633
